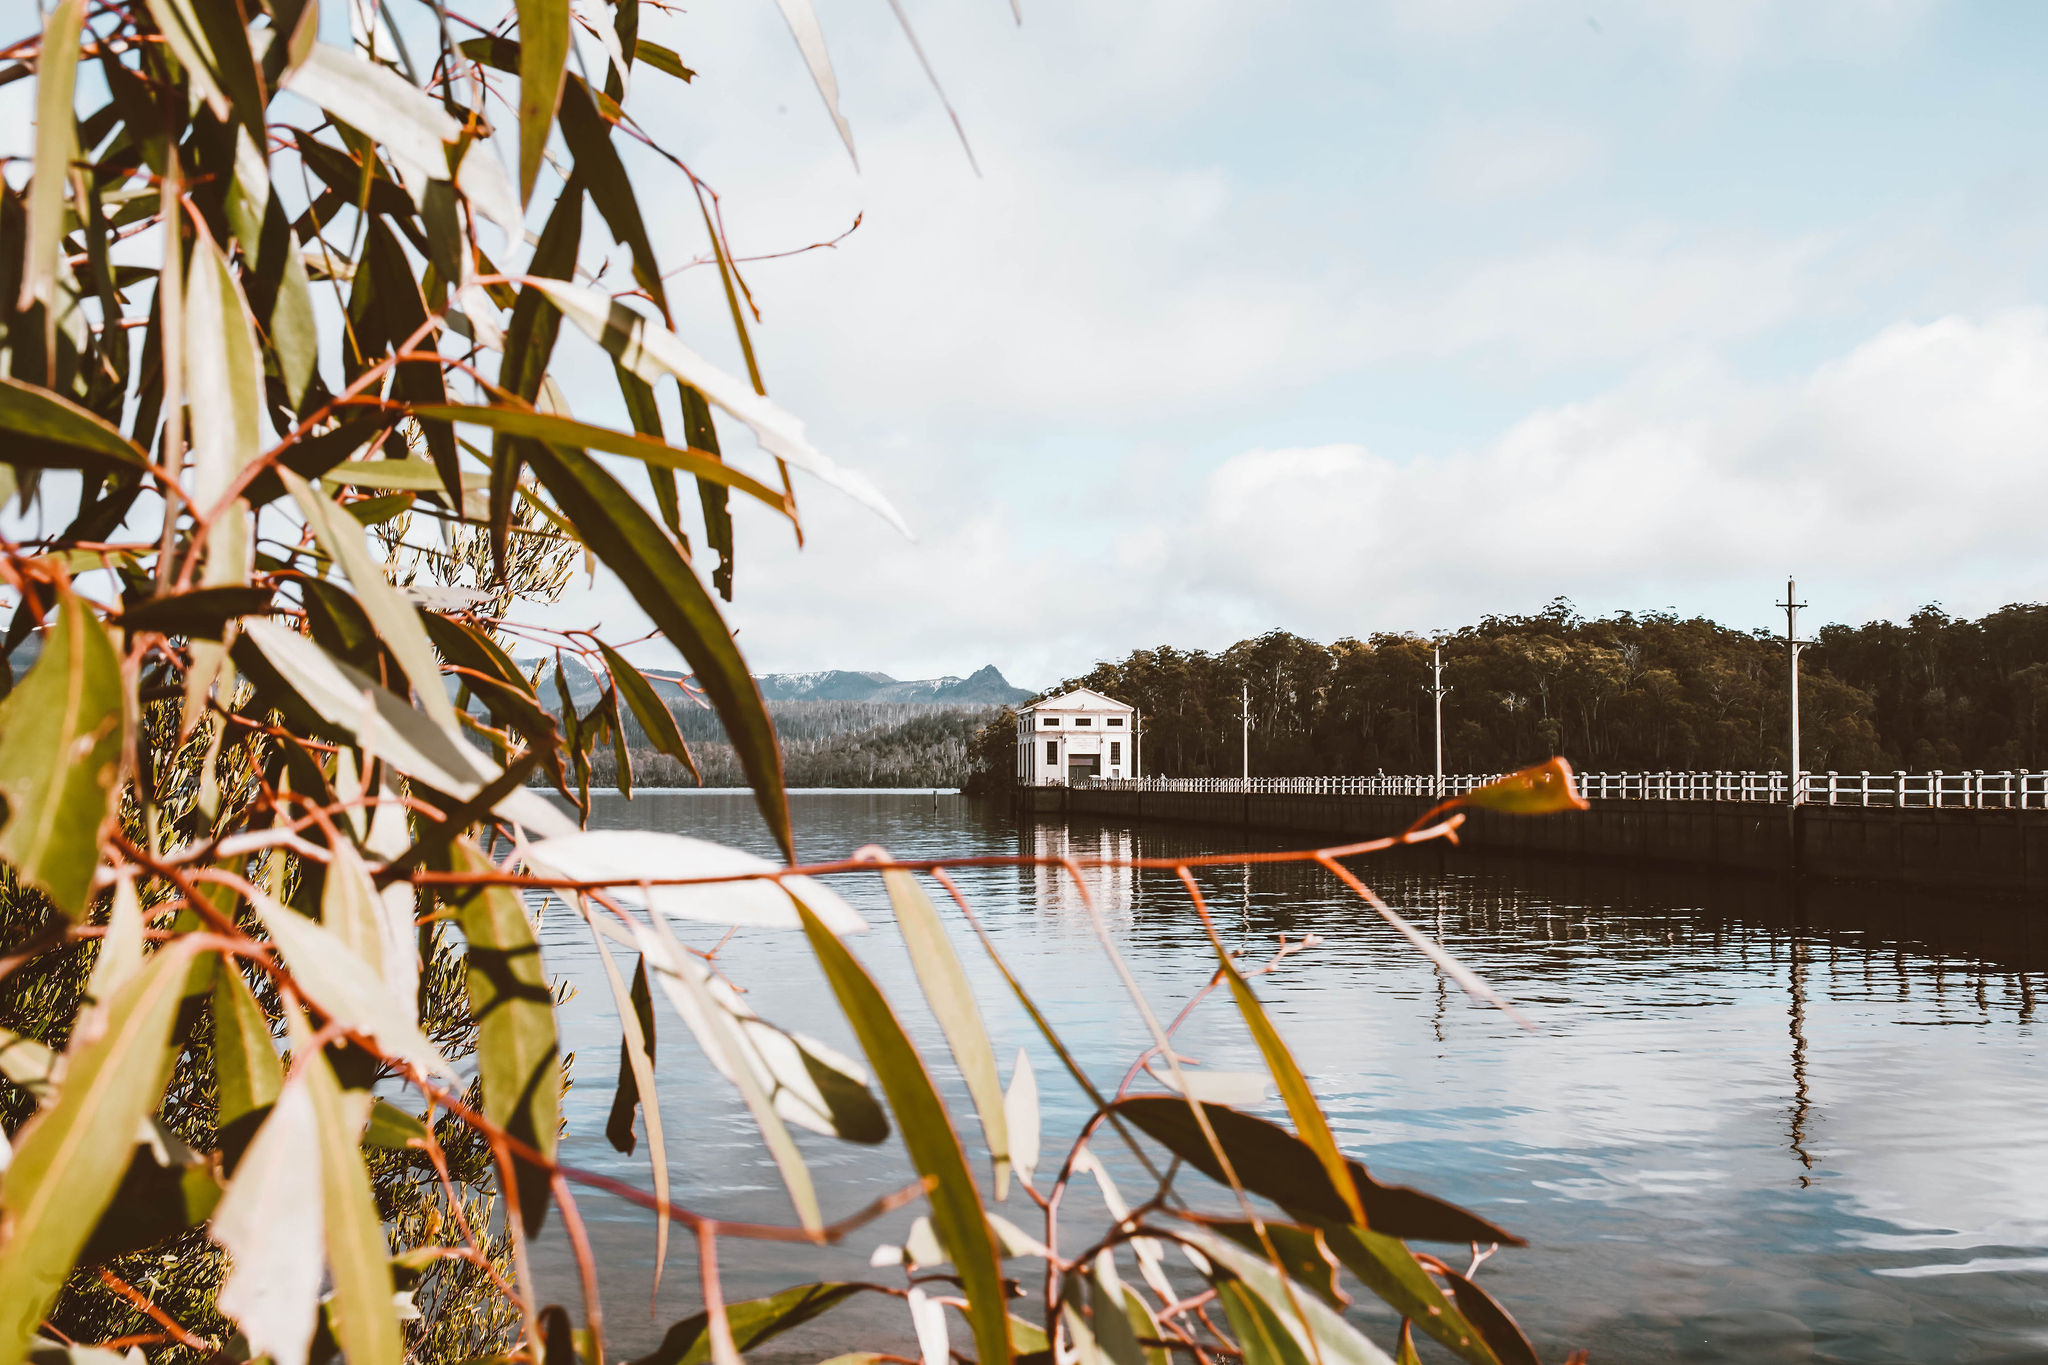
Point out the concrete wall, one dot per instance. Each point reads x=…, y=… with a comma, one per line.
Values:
x=1988, y=850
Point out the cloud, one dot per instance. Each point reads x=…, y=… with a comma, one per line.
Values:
x=1911, y=466
x=1916, y=459
x=1482, y=160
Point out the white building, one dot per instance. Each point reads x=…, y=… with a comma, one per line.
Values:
x=1076, y=735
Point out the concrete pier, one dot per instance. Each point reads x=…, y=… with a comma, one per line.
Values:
x=2003, y=851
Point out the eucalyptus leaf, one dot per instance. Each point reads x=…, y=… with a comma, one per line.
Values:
x=69, y=1159
x=63, y=731
x=650, y=351
x=951, y=997
x=345, y=987
x=928, y=1136
x=56, y=146
x=373, y=717
x=271, y=1224
x=624, y=857
x=358, y=1257
x=518, y=1054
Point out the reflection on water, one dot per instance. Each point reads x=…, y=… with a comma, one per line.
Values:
x=1751, y=1124
x=1062, y=891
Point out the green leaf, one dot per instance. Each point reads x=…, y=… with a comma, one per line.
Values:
x=1545, y=789
x=1020, y=1117
x=358, y=1256
x=1144, y=1325
x=345, y=987
x=29, y=1064
x=518, y=1055
x=167, y=1188
x=636, y=1087
x=62, y=735
x=529, y=345
x=271, y=1225
x=197, y=614
x=951, y=996
x=1301, y=1250
x=69, y=1160
x=810, y=40
x=396, y=622
x=419, y=476
x=1261, y=1334
x=598, y=166
x=614, y=525
x=48, y=431
x=1297, y=1317
x=294, y=334
x=381, y=934
x=187, y=40
x=1384, y=1265
x=715, y=500
x=222, y=381
x=235, y=70
x=391, y=1129
x=56, y=149
x=244, y=1057
x=566, y=431
x=121, y=947
x=636, y=1055
x=657, y=722
x=928, y=1136
x=1484, y=1312
x=662, y=59
x=1274, y=1164
x=650, y=351
x=615, y=726
x=1109, y=1316
x=627, y=856
x=406, y=121
x=543, y=63
x=1294, y=1088
x=753, y=1322
x=783, y=1077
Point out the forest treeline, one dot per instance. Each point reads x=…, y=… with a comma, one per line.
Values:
x=824, y=744
x=1652, y=691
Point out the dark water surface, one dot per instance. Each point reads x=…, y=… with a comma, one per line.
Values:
x=1751, y=1124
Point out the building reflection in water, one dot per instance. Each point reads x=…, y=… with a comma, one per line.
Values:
x=1052, y=887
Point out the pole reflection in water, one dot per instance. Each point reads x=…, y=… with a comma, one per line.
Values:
x=1801, y=1100
x=1638, y=1137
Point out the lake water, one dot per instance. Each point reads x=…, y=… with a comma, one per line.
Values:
x=1749, y=1125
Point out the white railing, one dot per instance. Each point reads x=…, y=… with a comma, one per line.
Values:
x=1975, y=790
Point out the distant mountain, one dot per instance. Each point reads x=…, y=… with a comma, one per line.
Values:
x=986, y=687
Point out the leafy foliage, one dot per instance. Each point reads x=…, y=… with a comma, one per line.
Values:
x=270, y=854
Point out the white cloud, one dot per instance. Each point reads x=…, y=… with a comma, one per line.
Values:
x=1481, y=160
x=1918, y=458
x=1910, y=467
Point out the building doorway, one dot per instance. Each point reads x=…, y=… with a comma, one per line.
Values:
x=1081, y=767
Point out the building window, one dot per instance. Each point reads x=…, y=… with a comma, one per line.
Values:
x=1114, y=720
x=1052, y=753
x=1116, y=752
x=1049, y=720
x=1083, y=720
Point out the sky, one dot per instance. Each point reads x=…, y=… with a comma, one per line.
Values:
x=1339, y=318
x=1378, y=315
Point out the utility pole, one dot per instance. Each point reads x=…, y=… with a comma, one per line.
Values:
x=1437, y=690
x=1247, y=735
x=1793, y=644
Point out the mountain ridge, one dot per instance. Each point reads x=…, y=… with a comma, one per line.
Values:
x=986, y=686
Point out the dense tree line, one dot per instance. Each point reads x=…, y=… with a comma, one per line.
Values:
x=1623, y=692
x=824, y=744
